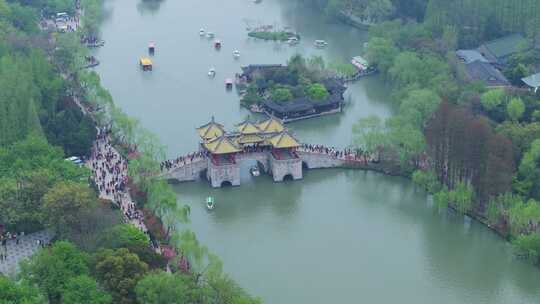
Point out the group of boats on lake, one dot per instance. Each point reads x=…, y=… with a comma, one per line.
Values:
x=217, y=45
x=147, y=65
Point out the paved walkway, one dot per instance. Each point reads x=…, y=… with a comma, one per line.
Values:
x=27, y=246
x=110, y=172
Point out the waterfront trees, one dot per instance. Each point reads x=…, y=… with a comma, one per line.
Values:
x=41, y=123
x=162, y=287
x=527, y=182
x=473, y=136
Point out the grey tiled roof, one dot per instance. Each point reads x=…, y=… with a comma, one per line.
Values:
x=483, y=71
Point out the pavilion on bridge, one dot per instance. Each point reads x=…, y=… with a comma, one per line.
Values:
x=268, y=138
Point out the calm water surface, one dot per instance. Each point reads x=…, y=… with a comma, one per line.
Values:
x=335, y=237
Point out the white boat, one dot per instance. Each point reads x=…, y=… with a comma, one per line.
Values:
x=360, y=63
x=320, y=43
x=293, y=41
x=236, y=54
x=201, y=32
x=211, y=72
x=210, y=35
x=255, y=171
x=210, y=204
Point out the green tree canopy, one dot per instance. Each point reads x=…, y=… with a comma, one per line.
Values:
x=515, y=109
x=18, y=108
x=52, y=269
x=119, y=271
x=493, y=98
x=528, y=245
x=528, y=179
x=317, y=91
x=84, y=290
x=381, y=53
x=65, y=205
x=418, y=106
x=35, y=153
x=369, y=133
x=281, y=94
x=162, y=287
x=19, y=293
x=125, y=236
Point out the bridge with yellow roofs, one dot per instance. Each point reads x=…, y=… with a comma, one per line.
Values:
x=276, y=151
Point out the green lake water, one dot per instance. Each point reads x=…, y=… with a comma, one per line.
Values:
x=337, y=236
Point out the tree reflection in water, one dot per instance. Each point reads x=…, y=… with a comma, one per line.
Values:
x=149, y=6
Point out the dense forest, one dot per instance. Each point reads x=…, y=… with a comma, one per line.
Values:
x=475, y=20
x=475, y=148
x=50, y=108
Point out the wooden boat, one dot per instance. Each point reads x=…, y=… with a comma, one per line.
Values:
x=217, y=44
x=210, y=204
x=228, y=83
x=145, y=63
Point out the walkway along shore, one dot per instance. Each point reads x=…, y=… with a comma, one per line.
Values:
x=110, y=174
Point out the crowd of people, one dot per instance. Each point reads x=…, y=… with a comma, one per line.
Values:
x=110, y=174
x=8, y=237
x=4, y=239
x=182, y=160
x=347, y=154
x=356, y=155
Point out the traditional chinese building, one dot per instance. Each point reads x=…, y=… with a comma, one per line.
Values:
x=268, y=142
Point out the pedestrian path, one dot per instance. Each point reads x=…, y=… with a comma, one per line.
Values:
x=110, y=173
x=23, y=248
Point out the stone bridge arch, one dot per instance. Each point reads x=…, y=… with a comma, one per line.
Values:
x=187, y=172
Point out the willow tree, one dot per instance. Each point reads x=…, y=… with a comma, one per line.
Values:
x=18, y=111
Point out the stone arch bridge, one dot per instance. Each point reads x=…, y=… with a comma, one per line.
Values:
x=269, y=143
x=203, y=167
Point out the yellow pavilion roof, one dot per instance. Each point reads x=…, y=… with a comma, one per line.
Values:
x=248, y=127
x=271, y=125
x=221, y=145
x=283, y=140
x=211, y=130
x=145, y=61
x=249, y=139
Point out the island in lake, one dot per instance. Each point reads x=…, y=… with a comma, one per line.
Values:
x=269, y=32
x=299, y=90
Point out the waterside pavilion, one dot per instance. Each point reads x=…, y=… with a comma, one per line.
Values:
x=268, y=142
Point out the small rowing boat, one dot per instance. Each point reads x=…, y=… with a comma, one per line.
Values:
x=210, y=204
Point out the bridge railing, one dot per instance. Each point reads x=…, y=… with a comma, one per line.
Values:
x=182, y=161
x=348, y=155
